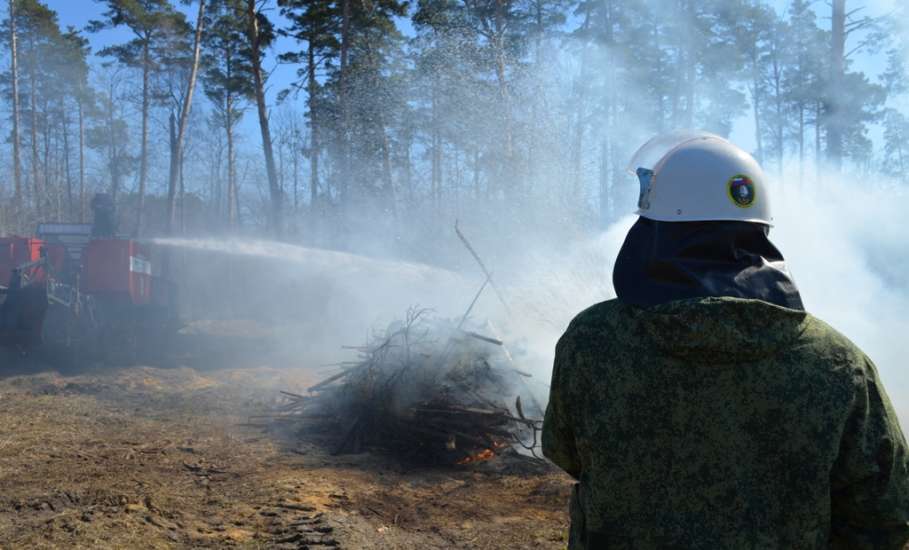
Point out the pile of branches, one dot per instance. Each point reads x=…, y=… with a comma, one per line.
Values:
x=425, y=389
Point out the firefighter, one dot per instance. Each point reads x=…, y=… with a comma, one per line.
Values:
x=105, y=215
x=704, y=408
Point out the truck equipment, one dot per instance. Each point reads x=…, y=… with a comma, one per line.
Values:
x=81, y=292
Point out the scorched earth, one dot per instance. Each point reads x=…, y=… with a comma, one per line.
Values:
x=163, y=457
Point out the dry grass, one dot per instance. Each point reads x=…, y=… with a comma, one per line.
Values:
x=155, y=458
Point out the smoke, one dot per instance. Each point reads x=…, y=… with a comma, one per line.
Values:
x=844, y=237
x=844, y=240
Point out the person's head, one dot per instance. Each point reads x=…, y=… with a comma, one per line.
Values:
x=705, y=216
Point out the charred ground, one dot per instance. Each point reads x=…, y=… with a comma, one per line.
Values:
x=159, y=456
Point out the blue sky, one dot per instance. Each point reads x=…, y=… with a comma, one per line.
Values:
x=78, y=13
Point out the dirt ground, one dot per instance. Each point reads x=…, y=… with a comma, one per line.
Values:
x=163, y=457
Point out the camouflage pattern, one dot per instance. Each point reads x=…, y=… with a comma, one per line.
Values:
x=723, y=423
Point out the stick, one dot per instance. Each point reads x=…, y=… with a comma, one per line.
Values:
x=294, y=395
x=482, y=266
x=486, y=339
x=493, y=330
x=473, y=303
x=331, y=379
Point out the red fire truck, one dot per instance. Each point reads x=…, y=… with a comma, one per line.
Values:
x=79, y=291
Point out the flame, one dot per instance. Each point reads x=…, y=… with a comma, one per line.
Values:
x=485, y=454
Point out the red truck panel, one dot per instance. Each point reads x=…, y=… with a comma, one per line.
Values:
x=118, y=269
x=16, y=251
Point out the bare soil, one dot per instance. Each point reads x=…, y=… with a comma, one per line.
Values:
x=162, y=457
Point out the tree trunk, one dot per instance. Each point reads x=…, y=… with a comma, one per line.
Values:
x=112, y=151
x=173, y=172
x=17, y=163
x=690, y=79
x=177, y=156
x=388, y=188
x=780, y=116
x=407, y=162
x=756, y=103
x=577, y=141
x=215, y=185
x=532, y=146
x=837, y=73
x=295, y=160
x=314, y=144
x=345, y=100
x=237, y=219
x=33, y=104
x=81, y=159
x=69, y=180
x=143, y=153
x=182, y=197
x=231, y=167
x=262, y=108
x=46, y=179
x=281, y=145
x=818, y=113
x=504, y=95
x=659, y=95
x=435, y=154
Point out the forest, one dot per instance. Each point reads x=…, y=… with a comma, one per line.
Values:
x=406, y=115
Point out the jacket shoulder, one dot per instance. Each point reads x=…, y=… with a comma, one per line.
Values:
x=824, y=340
x=592, y=325
x=598, y=316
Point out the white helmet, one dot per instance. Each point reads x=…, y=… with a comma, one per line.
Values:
x=698, y=176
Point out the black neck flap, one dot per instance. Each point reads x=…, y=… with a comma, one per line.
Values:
x=666, y=261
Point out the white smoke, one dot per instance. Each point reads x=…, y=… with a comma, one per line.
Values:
x=844, y=241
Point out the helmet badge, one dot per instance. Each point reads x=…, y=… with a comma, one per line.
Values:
x=741, y=190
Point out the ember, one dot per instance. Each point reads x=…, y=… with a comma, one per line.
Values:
x=485, y=454
x=425, y=390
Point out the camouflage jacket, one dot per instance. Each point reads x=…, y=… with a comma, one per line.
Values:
x=723, y=423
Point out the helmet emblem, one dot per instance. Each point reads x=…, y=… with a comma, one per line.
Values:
x=741, y=191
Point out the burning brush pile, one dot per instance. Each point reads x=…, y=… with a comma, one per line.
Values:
x=426, y=389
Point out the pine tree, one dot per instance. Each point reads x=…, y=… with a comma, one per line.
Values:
x=39, y=41
x=154, y=24
x=850, y=101
x=14, y=91
x=896, y=145
x=73, y=70
x=260, y=35
x=109, y=133
x=227, y=78
x=317, y=24
x=805, y=74
x=176, y=163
